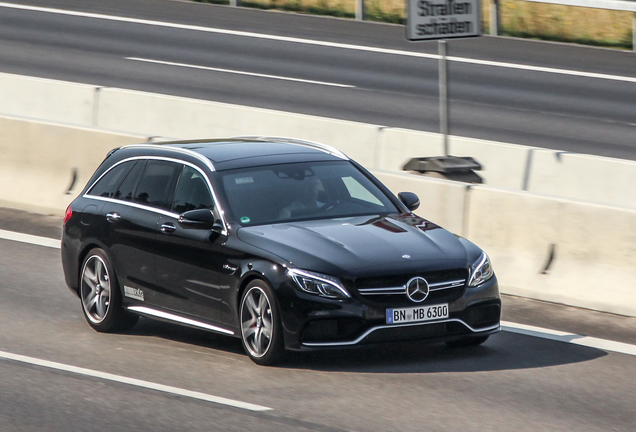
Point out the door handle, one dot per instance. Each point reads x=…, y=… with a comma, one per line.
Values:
x=168, y=228
x=113, y=217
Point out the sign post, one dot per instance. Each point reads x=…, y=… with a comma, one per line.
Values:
x=442, y=19
x=443, y=93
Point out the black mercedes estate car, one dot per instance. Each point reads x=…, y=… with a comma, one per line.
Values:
x=286, y=244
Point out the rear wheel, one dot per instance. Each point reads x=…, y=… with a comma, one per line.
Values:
x=100, y=295
x=467, y=342
x=261, y=330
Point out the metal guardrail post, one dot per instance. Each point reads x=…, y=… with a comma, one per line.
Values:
x=360, y=10
x=235, y=2
x=634, y=32
x=494, y=17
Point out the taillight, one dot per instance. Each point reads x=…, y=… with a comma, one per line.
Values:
x=68, y=214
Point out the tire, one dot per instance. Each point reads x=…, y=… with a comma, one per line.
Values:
x=467, y=342
x=261, y=330
x=100, y=295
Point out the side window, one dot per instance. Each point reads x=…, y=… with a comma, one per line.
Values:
x=127, y=187
x=192, y=192
x=107, y=185
x=157, y=184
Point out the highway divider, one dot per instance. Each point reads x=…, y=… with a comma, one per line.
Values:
x=170, y=116
x=557, y=250
x=44, y=165
x=542, y=247
x=590, y=178
x=583, y=177
x=49, y=100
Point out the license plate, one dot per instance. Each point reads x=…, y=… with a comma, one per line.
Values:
x=416, y=314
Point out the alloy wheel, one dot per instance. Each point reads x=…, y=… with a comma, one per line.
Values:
x=95, y=289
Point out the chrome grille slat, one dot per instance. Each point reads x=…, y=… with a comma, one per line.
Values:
x=402, y=290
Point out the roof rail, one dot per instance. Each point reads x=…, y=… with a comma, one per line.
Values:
x=192, y=153
x=324, y=147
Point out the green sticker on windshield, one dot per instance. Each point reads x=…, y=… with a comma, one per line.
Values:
x=245, y=220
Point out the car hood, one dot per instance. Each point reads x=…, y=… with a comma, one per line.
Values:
x=358, y=246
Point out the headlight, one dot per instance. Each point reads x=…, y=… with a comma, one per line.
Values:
x=318, y=284
x=480, y=271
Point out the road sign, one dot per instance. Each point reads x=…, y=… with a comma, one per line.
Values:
x=442, y=19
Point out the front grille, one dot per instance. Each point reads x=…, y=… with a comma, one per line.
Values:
x=444, y=286
x=426, y=331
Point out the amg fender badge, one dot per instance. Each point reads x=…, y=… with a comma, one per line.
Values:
x=134, y=293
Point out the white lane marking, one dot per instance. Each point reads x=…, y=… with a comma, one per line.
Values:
x=133, y=382
x=185, y=65
x=572, y=338
x=30, y=239
x=543, y=69
x=316, y=42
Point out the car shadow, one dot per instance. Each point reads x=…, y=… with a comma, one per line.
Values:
x=503, y=351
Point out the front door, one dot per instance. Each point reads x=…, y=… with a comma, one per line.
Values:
x=189, y=258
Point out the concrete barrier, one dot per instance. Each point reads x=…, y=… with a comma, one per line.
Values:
x=147, y=113
x=557, y=250
x=38, y=161
x=582, y=177
x=589, y=178
x=542, y=247
x=503, y=165
x=398, y=146
x=49, y=100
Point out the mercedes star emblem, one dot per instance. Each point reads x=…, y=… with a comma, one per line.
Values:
x=417, y=289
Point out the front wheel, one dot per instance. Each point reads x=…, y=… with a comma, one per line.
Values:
x=100, y=295
x=261, y=330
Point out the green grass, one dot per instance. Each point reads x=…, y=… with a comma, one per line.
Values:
x=543, y=21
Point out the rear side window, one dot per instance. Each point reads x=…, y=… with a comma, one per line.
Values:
x=107, y=185
x=127, y=187
x=192, y=192
x=157, y=183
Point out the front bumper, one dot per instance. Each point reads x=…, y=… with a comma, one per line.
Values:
x=315, y=324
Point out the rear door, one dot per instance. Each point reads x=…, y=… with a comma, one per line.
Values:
x=130, y=218
x=128, y=232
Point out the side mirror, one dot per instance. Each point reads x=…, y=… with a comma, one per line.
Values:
x=410, y=200
x=200, y=219
x=218, y=227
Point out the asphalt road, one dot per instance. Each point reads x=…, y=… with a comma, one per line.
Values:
x=511, y=383
x=560, y=105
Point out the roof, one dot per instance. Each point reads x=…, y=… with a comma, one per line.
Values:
x=241, y=152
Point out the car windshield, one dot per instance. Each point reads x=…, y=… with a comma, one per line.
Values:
x=302, y=191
